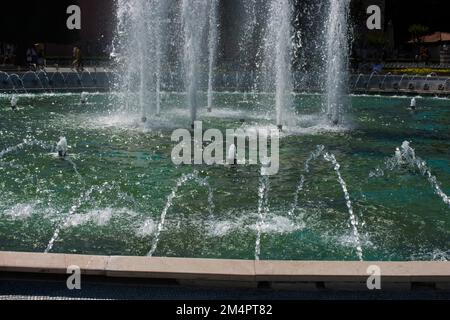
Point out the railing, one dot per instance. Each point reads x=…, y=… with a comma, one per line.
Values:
x=56, y=80
x=67, y=80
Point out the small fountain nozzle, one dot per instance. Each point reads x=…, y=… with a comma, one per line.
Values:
x=62, y=147
x=14, y=103
x=84, y=97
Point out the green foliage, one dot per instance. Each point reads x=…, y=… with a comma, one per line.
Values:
x=417, y=31
x=377, y=39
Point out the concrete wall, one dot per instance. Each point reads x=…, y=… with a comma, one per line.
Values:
x=290, y=275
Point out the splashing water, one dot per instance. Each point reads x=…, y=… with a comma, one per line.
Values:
x=406, y=155
x=75, y=169
x=263, y=209
x=278, y=54
x=193, y=13
x=314, y=156
x=85, y=197
x=26, y=143
x=337, y=50
x=139, y=52
x=353, y=220
x=180, y=183
x=44, y=145
x=212, y=47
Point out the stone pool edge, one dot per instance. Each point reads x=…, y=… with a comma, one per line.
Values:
x=282, y=275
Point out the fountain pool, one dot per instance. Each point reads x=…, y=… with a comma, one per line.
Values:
x=340, y=201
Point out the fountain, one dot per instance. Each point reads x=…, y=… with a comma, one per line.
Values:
x=266, y=46
x=278, y=54
x=62, y=148
x=249, y=34
x=14, y=102
x=353, y=220
x=337, y=55
x=263, y=208
x=64, y=220
x=212, y=48
x=314, y=155
x=180, y=183
x=166, y=54
x=193, y=16
x=406, y=155
x=84, y=98
x=25, y=143
x=149, y=28
x=139, y=51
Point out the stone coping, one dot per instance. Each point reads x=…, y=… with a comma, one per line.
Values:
x=223, y=270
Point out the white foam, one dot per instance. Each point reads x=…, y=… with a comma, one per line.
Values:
x=21, y=211
x=100, y=217
x=273, y=224
x=148, y=228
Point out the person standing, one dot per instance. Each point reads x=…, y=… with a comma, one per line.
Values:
x=77, y=62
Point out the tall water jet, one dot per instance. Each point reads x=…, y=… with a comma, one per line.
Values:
x=212, y=48
x=337, y=56
x=278, y=49
x=249, y=54
x=139, y=51
x=193, y=15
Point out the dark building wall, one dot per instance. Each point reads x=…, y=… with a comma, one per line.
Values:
x=97, y=29
x=98, y=23
x=32, y=21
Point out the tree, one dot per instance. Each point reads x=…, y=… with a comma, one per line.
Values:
x=417, y=31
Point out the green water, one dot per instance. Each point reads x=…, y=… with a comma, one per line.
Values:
x=129, y=166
